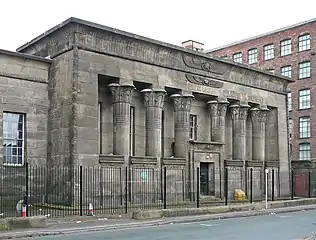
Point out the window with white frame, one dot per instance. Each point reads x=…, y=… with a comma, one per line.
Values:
x=305, y=127
x=286, y=71
x=289, y=101
x=193, y=127
x=304, y=99
x=13, y=138
x=286, y=47
x=305, y=151
x=304, y=42
x=237, y=57
x=268, y=52
x=253, y=56
x=304, y=70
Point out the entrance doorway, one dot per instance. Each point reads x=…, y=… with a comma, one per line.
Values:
x=207, y=184
x=204, y=178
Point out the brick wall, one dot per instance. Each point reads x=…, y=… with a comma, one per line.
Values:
x=293, y=59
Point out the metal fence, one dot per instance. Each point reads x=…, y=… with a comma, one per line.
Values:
x=68, y=191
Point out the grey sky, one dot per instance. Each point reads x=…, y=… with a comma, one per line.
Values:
x=214, y=23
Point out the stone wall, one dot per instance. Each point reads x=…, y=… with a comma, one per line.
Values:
x=23, y=89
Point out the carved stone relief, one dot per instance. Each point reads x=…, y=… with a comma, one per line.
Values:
x=204, y=81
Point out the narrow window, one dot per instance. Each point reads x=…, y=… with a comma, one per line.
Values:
x=132, y=131
x=13, y=138
x=193, y=127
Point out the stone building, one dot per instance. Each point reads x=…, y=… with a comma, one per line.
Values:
x=97, y=96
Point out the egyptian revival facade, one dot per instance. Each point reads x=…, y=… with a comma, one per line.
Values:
x=86, y=94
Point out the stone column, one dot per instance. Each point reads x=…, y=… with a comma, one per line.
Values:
x=239, y=117
x=121, y=100
x=182, y=107
x=218, y=116
x=153, y=100
x=258, y=117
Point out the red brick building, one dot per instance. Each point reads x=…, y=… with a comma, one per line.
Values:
x=290, y=51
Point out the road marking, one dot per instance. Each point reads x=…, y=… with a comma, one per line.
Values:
x=285, y=216
x=209, y=225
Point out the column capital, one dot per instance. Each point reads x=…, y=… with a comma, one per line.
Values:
x=121, y=93
x=213, y=107
x=154, y=97
x=259, y=115
x=234, y=111
x=217, y=108
x=243, y=111
x=222, y=108
x=182, y=102
x=239, y=111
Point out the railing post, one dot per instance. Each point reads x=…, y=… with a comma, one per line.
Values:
x=165, y=187
x=292, y=184
x=198, y=187
x=81, y=190
x=251, y=179
x=226, y=185
x=26, y=202
x=309, y=183
x=126, y=190
x=272, y=185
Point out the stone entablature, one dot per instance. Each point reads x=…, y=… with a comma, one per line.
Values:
x=104, y=40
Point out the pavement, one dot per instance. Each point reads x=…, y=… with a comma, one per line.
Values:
x=283, y=226
x=96, y=228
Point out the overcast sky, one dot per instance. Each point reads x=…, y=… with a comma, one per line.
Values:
x=211, y=22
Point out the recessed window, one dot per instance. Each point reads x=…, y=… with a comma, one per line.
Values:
x=253, y=56
x=305, y=99
x=286, y=71
x=290, y=128
x=13, y=138
x=289, y=101
x=305, y=127
x=304, y=43
x=132, y=132
x=237, y=57
x=304, y=70
x=305, y=151
x=193, y=127
x=268, y=52
x=286, y=48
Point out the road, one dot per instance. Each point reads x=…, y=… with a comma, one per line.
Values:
x=273, y=227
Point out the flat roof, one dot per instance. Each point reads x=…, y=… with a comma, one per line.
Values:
x=135, y=36
x=262, y=35
x=23, y=55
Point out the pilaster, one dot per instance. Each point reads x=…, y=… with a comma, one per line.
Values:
x=121, y=100
x=182, y=107
x=153, y=101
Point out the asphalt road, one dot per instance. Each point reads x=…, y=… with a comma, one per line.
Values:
x=273, y=227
